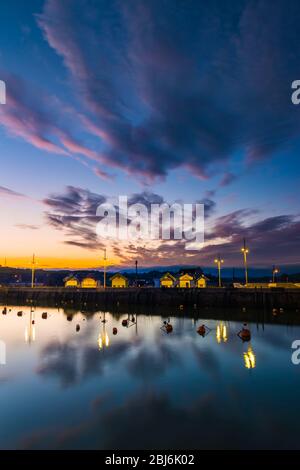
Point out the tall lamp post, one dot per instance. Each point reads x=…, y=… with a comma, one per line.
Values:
x=33, y=264
x=104, y=268
x=136, y=273
x=274, y=272
x=219, y=263
x=245, y=252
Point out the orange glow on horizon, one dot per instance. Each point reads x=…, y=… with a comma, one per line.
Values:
x=58, y=263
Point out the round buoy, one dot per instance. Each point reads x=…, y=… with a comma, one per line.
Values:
x=44, y=315
x=169, y=328
x=201, y=330
x=69, y=318
x=20, y=314
x=245, y=334
x=115, y=331
x=125, y=322
x=77, y=328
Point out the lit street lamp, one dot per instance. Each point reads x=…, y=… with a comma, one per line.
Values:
x=219, y=263
x=245, y=251
x=274, y=272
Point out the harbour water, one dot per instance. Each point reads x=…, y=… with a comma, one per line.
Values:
x=68, y=382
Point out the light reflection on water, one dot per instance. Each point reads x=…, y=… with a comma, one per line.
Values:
x=73, y=381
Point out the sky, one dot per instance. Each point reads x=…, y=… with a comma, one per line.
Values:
x=162, y=101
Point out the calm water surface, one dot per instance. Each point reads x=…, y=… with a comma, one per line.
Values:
x=143, y=388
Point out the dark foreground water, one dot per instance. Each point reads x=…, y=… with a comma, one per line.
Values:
x=143, y=388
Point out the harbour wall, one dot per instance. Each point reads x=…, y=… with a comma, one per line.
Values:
x=150, y=297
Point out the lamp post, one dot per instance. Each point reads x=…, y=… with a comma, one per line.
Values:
x=245, y=252
x=136, y=273
x=274, y=272
x=219, y=263
x=104, y=268
x=32, y=271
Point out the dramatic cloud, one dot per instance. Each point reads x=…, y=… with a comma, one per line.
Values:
x=272, y=238
x=25, y=116
x=170, y=84
x=75, y=214
x=42, y=120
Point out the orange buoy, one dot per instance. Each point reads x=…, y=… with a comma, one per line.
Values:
x=20, y=314
x=201, y=330
x=44, y=315
x=169, y=328
x=245, y=333
x=115, y=331
x=125, y=322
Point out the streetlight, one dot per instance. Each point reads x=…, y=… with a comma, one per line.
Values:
x=245, y=251
x=274, y=272
x=104, y=268
x=33, y=264
x=136, y=273
x=219, y=262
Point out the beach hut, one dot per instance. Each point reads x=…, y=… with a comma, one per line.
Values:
x=118, y=281
x=89, y=283
x=185, y=281
x=167, y=280
x=201, y=282
x=71, y=281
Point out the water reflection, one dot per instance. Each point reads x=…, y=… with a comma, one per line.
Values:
x=30, y=329
x=249, y=358
x=103, y=339
x=221, y=333
x=136, y=393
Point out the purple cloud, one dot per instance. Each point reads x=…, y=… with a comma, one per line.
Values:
x=6, y=192
x=271, y=239
x=168, y=85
